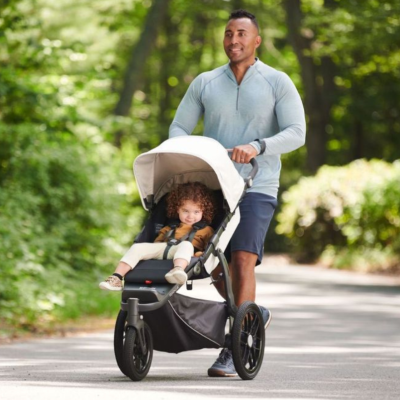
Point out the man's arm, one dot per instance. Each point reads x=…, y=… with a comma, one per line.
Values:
x=290, y=115
x=189, y=111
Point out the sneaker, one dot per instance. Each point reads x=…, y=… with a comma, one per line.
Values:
x=223, y=366
x=176, y=275
x=111, y=283
x=267, y=316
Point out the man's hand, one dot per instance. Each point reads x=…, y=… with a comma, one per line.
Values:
x=243, y=154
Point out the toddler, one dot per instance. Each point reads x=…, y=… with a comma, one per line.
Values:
x=194, y=205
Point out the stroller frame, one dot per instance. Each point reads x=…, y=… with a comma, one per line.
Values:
x=133, y=342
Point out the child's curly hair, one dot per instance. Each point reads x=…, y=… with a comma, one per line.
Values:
x=193, y=191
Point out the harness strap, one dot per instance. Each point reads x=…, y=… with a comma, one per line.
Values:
x=174, y=242
x=192, y=234
x=166, y=251
x=168, y=235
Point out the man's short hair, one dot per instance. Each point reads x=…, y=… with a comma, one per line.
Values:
x=244, y=14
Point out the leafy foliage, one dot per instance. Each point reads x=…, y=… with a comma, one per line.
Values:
x=346, y=213
x=362, y=40
x=62, y=195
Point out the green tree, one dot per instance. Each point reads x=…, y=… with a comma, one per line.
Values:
x=60, y=206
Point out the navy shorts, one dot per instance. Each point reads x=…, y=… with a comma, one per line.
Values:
x=256, y=212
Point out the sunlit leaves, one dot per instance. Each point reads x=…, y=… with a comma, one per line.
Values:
x=341, y=208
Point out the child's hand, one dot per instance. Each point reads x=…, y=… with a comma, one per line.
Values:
x=198, y=253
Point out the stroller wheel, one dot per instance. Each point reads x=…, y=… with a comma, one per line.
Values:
x=119, y=339
x=136, y=363
x=248, y=340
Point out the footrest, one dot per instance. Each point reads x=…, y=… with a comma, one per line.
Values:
x=155, y=270
x=149, y=270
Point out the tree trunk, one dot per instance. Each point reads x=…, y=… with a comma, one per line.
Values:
x=137, y=63
x=168, y=68
x=319, y=88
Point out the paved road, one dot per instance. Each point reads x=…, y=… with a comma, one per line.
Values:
x=334, y=335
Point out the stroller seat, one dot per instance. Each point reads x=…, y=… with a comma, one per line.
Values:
x=153, y=271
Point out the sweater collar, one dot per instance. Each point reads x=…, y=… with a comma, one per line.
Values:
x=248, y=74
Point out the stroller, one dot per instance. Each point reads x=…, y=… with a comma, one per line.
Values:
x=153, y=316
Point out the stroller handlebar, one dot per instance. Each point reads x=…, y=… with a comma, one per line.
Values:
x=249, y=180
x=253, y=173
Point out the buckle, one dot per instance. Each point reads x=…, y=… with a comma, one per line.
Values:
x=173, y=242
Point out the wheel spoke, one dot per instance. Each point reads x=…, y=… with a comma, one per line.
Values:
x=254, y=358
x=254, y=326
x=139, y=358
x=251, y=359
x=250, y=321
x=245, y=355
x=246, y=323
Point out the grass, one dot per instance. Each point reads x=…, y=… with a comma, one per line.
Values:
x=84, y=308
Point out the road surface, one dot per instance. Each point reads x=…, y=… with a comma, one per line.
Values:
x=334, y=335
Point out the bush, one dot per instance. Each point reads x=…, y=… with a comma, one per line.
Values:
x=60, y=220
x=346, y=215
x=63, y=189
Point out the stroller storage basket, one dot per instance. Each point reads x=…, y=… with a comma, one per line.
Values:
x=186, y=323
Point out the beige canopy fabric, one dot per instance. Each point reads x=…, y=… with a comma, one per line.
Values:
x=186, y=159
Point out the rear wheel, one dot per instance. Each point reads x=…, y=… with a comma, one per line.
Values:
x=136, y=363
x=119, y=339
x=248, y=340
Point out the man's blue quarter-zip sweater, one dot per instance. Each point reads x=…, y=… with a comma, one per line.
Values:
x=265, y=106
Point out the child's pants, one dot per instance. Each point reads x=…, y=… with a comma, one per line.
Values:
x=155, y=251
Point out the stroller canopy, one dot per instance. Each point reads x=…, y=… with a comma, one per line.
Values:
x=187, y=159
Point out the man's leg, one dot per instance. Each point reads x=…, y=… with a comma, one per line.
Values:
x=219, y=283
x=243, y=276
x=242, y=273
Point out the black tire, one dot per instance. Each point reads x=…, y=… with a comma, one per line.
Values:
x=136, y=364
x=248, y=340
x=119, y=339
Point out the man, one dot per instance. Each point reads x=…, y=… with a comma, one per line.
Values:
x=256, y=111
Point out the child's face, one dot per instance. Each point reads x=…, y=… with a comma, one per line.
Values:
x=189, y=212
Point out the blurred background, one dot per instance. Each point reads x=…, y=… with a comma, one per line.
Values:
x=87, y=86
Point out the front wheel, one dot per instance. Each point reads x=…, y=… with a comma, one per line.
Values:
x=248, y=340
x=137, y=364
